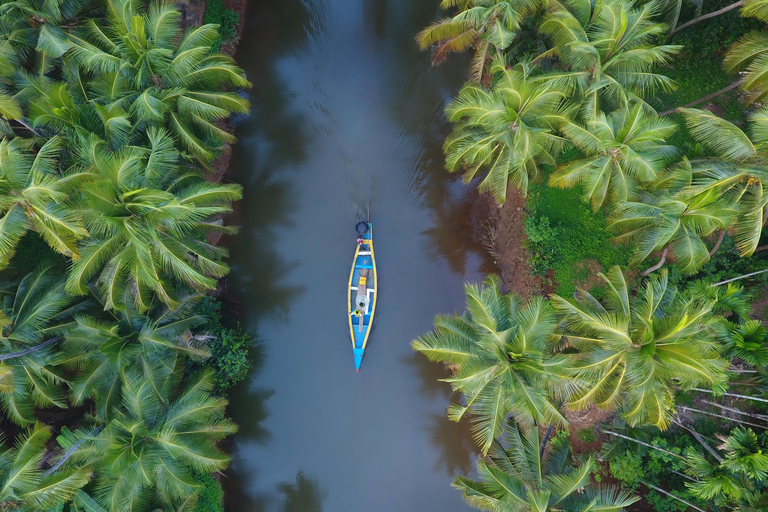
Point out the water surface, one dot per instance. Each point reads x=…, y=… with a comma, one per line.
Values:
x=347, y=115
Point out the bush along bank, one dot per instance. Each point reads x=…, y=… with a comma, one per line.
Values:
x=640, y=150
x=113, y=362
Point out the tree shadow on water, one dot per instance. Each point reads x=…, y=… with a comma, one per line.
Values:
x=429, y=375
x=303, y=495
x=452, y=441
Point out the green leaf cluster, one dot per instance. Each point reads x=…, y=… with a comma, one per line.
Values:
x=216, y=13
x=567, y=91
x=110, y=115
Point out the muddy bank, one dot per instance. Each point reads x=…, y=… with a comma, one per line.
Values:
x=504, y=237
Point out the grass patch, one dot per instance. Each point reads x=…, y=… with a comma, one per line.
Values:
x=566, y=236
x=698, y=68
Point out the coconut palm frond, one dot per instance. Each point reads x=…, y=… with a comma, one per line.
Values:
x=640, y=349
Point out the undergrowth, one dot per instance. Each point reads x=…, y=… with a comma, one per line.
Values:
x=227, y=19
x=566, y=236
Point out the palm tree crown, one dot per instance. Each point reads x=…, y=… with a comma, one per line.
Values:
x=34, y=195
x=660, y=221
x=608, y=51
x=522, y=478
x=144, y=457
x=490, y=26
x=25, y=486
x=104, y=349
x=623, y=149
x=508, y=130
x=496, y=352
x=634, y=351
x=738, y=175
x=36, y=313
x=147, y=225
x=138, y=71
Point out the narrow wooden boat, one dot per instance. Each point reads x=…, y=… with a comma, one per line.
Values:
x=361, y=296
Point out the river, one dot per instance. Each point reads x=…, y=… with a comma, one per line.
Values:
x=346, y=115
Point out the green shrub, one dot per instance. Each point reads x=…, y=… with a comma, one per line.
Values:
x=227, y=19
x=210, y=496
x=229, y=357
x=230, y=346
x=627, y=468
x=663, y=503
x=564, y=234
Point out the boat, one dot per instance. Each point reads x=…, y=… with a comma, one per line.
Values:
x=361, y=295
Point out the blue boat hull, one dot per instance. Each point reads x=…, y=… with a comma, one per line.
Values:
x=361, y=296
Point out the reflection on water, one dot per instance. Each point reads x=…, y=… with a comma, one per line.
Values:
x=303, y=496
x=346, y=116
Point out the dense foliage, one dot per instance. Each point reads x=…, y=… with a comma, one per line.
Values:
x=561, y=104
x=109, y=121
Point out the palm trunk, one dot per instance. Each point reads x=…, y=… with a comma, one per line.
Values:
x=29, y=350
x=662, y=491
x=707, y=413
x=707, y=16
x=659, y=264
x=717, y=245
x=734, y=395
x=705, y=98
x=71, y=451
x=761, y=417
x=544, y=441
x=26, y=125
x=701, y=441
x=683, y=475
x=740, y=277
x=642, y=443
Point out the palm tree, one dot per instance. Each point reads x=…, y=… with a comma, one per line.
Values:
x=34, y=195
x=145, y=456
x=522, y=478
x=36, y=313
x=147, y=225
x=670, y=223
x=104, y=349
x=139, y=66
x=737, y=175
x=488, y=26
x=623, y=150
x=749, y=54
x=747, y=341
x=736, y=480
x=608, y=51
x=508, y=130
x=635, y=350
x=25, y=485
x=496, y=351
x=31, y=34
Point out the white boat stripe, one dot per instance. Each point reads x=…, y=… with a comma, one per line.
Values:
x=364, y=253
